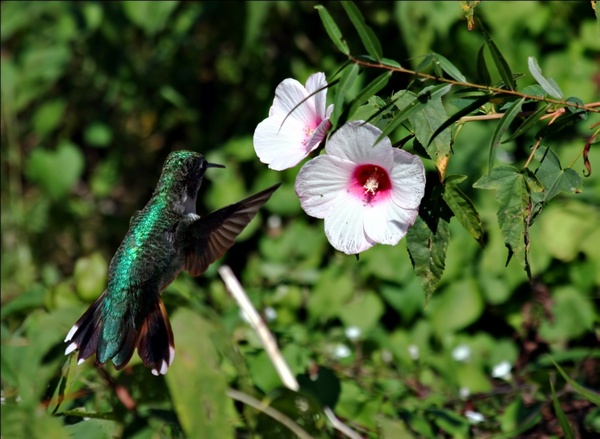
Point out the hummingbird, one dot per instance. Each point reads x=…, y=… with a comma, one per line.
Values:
x=164, y=238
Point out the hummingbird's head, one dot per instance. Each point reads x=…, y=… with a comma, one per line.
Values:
x=182, y=176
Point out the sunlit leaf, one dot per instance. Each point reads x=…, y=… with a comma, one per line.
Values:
x=513, y=193
x=333, y=30
x=366, y=34
x=150, y=16
x=548, y=84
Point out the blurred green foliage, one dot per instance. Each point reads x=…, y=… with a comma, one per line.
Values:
x=94, y=97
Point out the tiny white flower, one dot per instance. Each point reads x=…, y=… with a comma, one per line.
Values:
x=474, y=417
x=464, y=392
x=342, y=351
x=352, y=332
x=367, y=193
x=502, y=370
x=413, y=351
x=296, y=125
x=270, y=314
x=461, y=352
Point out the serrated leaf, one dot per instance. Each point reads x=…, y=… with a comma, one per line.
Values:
x=548, y=84
x=499, y=61
x=513, y=193
x=375, y=86
x=591, y=396
x=528, y=123
x=482, y=70
x=366, y=34
x=449, y=68
x=333, y=30
x=460, y=113
x=502, y=127
x=462, y=206
x=553, y=177
x=347, y=78
x=560, y=415
x=409, y=105
x=427, y=242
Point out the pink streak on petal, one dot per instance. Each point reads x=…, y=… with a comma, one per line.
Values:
x=315, y=82
x=318, y=136
x=290, y=102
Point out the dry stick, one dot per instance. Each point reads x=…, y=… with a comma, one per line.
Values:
x=270, y=345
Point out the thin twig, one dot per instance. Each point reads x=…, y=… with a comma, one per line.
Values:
x=589, y=107
x=269, y=411
x=268, y=342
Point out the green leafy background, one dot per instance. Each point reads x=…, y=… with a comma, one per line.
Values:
x=95, y=96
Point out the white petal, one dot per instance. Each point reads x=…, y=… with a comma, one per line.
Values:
x=408, y=179
x=314, y=83
x=355, y=141
x=344, y=226
x=288, y=95
x=280, y=146
x=387, y=223
x=318, y=136
x=320, y=182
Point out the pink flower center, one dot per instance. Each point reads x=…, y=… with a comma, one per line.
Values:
x=372, y=180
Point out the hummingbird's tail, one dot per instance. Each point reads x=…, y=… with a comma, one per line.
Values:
x=153, y=339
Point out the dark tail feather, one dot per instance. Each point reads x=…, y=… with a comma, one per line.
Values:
x=155, y=343
x=85, y=333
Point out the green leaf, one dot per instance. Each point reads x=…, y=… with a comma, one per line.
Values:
x=528, y=123
x=427, y=241
x=448, y=67
x=409, y=104
x=460, y=113
x=513, y=193
x=197, y=387
x=482, y=70
x=150, y=16
x=349, y=75
x=55, y=171
x=370, y=90
x=363, y=312
x=590, y=395
x=502, y=127
x=564, y=121
x=333, y=30
x=553, y=177
x=48, y=116
x=462, y=206
x=560, y=415
x=549, y=85
x=366, y=34
x=499, y=61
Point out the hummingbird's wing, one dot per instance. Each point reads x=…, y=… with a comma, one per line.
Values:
x=209, y=237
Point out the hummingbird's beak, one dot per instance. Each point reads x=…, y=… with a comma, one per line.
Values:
x=214, y=165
